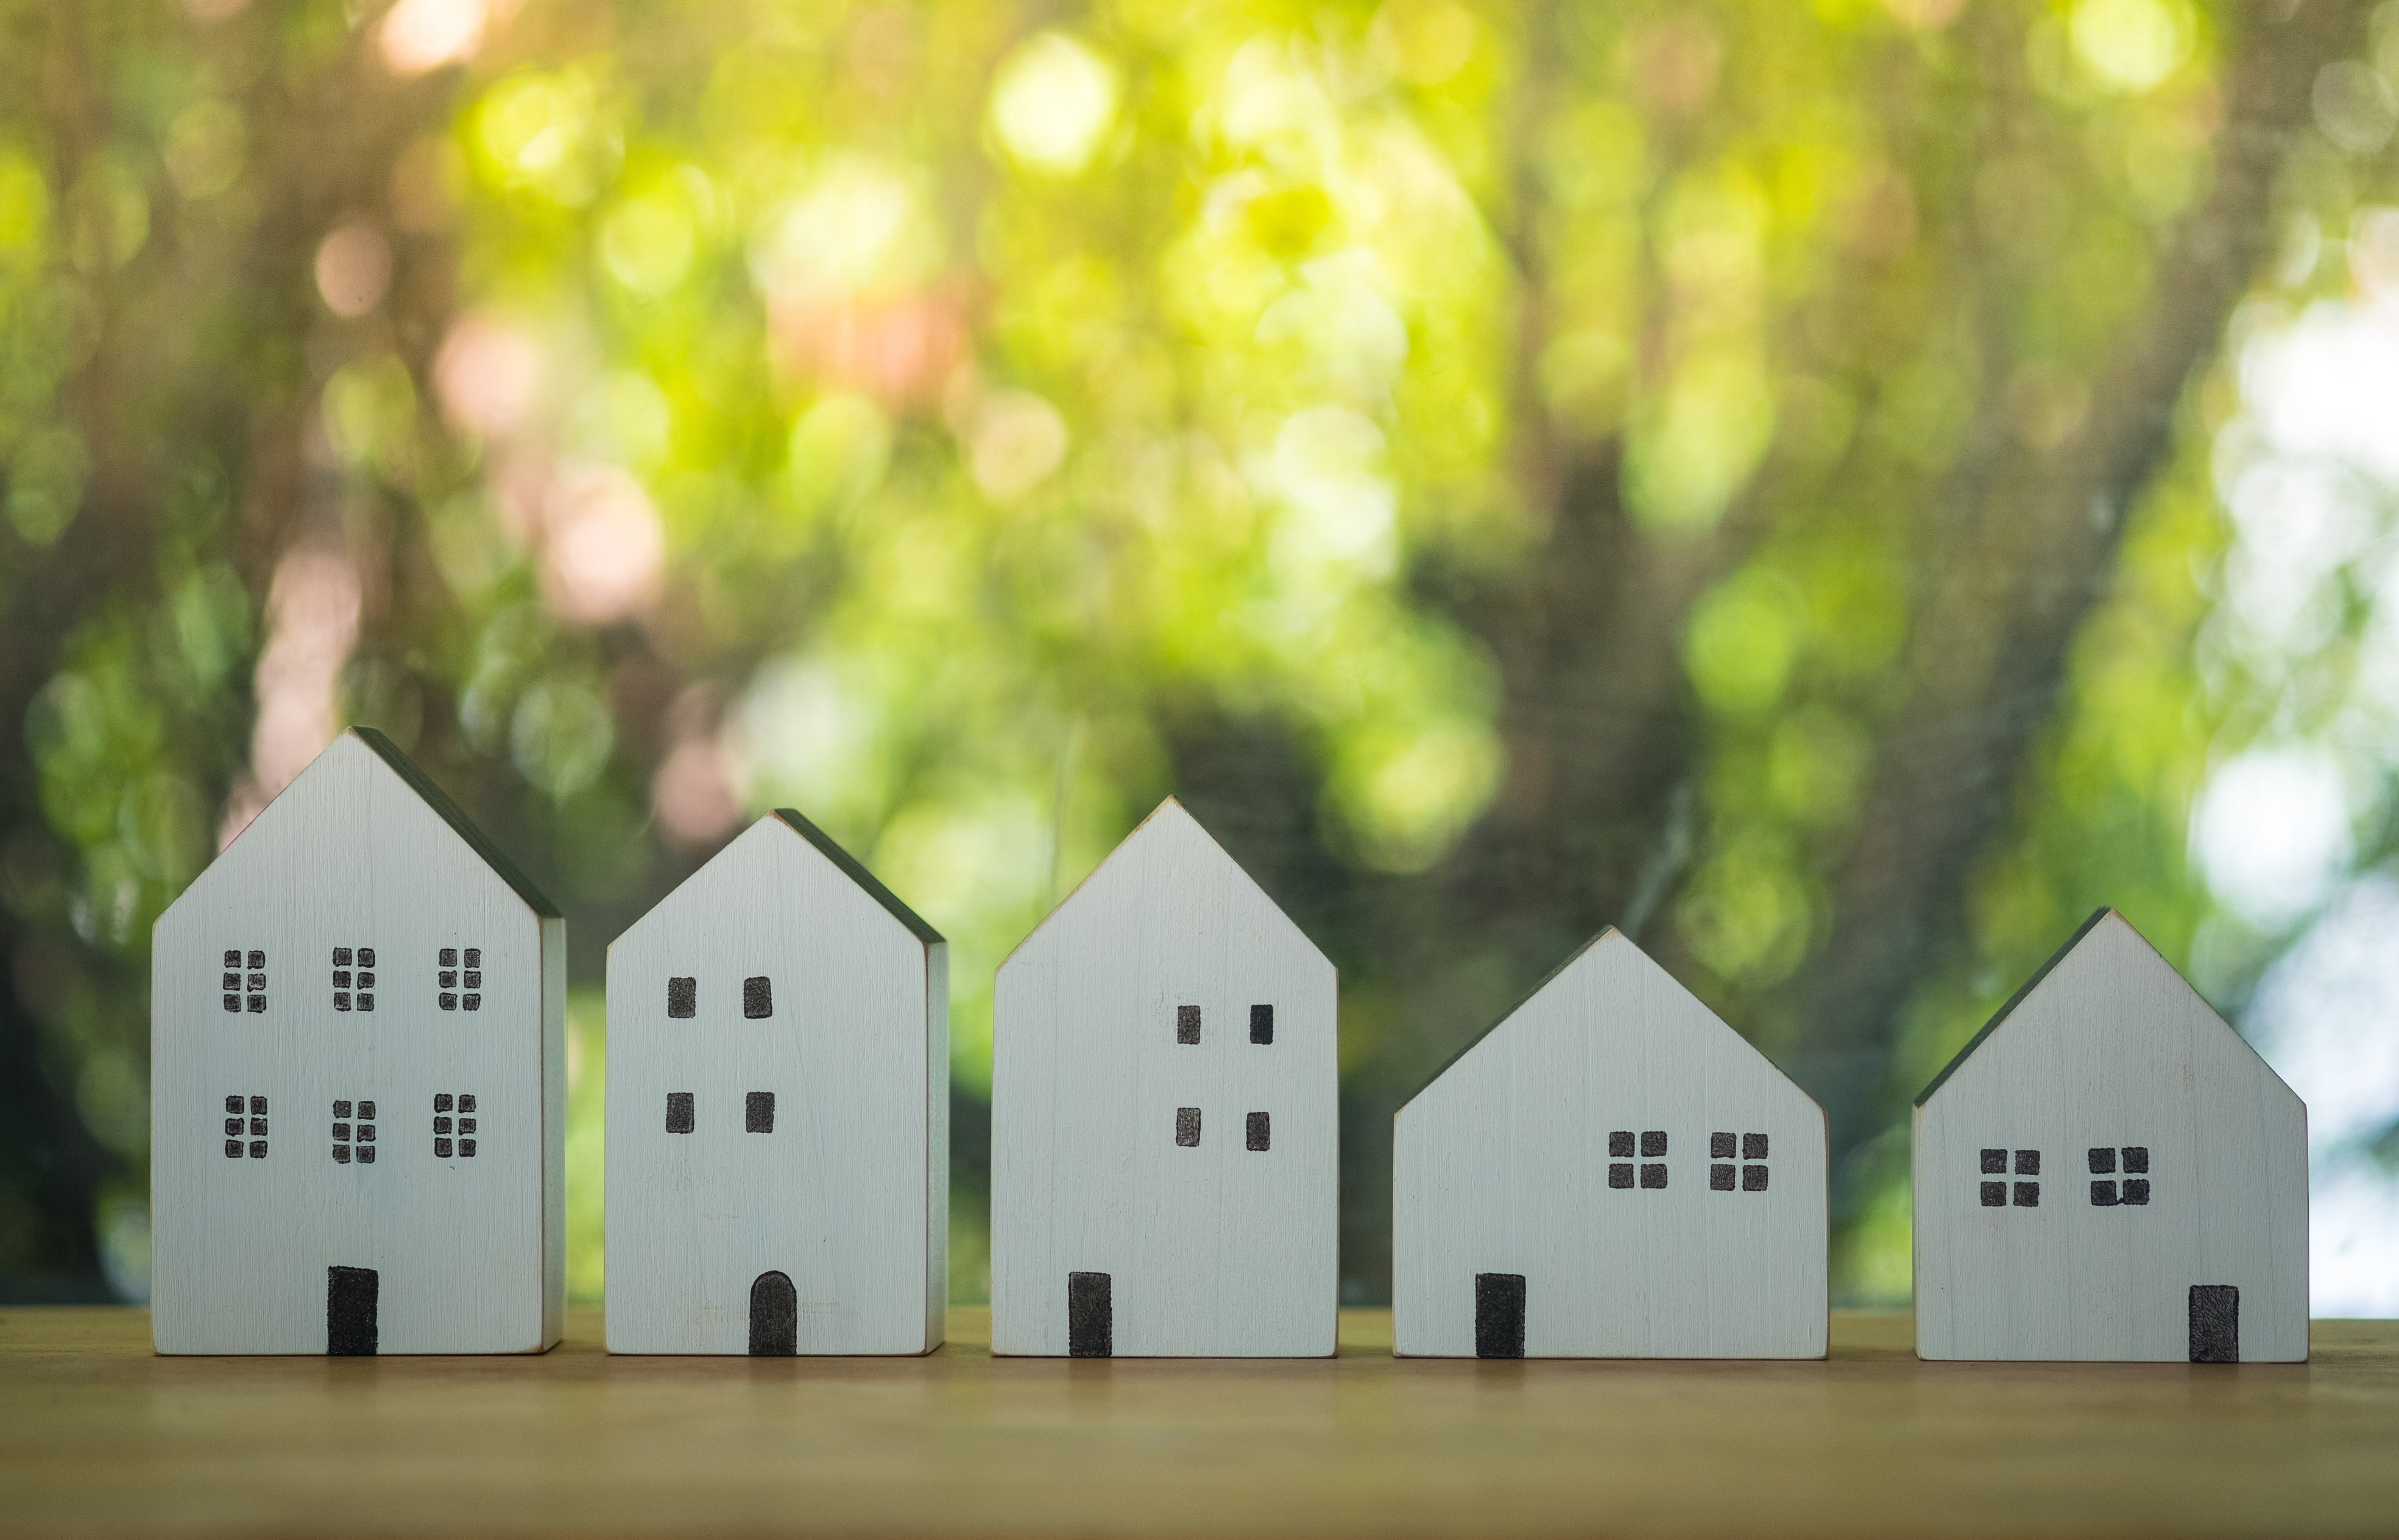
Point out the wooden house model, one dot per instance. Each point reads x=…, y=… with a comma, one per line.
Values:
x=1610, y=1171
x=1164, y=1116
x=779, y=1160
x=2107, y=1171
x=358, y=1032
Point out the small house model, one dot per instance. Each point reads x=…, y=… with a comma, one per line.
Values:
x=358, y=1034
x=2107, y=1171
x=1611, y=1171
x=1164, y=1116
x=778, y=1158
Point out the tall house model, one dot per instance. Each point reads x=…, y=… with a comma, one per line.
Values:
x=2107, y=1171
x=1164, y=1116
x=357, y=1119
x=779, y=1137
x=1611, y=1171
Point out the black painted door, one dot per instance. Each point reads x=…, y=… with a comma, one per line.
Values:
x=2214, y=1323
x=1091, y=1315
x=352, y=1297
x=774, y=1317
x=1498, y=1315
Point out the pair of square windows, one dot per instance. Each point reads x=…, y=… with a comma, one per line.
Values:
x=2025, y=1192
x=757, y=1113
x=245, y=1116
x=1258, y=1132
x=1187, y=1022
x=758, y=997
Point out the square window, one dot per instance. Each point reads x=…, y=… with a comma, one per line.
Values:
x=233, y=1127
x=232, y=958
x=2136, y=1158
x=1720, y=1179
x=258, y=981
x=341, y=956
x=233, y=1004
x=440, y=1125
x=341, y=1109
x=447, y=1002
x=342, y=1132
x=257, y=959
x=1721, y=1146
x=2103, y=1163
x=1653, y=1143
x=258, y=1126
x=1753, y=1178
x=2136, y=1192
x=1653, y=1176
x=466, y=1101
x=679, y=1113
x=2103, y=1194
x=474, y=956
x=1262, y=1024
x=1187, y=1024
x=1259, y=1134
x=258, y=1106
x=258, y=1005
x=341, y=1001
x=440, y=1149
x=366, y=956
x=341, y=1155
x=758, y=997
x=474, y=979
x=366, y=1001
x=1995, y=1162
x=1186, y=1127
x=232, y=1103
x=366, y=981
x=2027, y=1163
x=341, y=977
x=683, y=998
x=366, y=1132
x=449, y=979
x=1995, y=1194
x=257, y=1149
x=466, y=1125
x=474, y=1002
x=1753, y=1146
x=449, y=957
x=233, y=1149
x=442, y=1103
x=2027, y=1194
x=1620, y=1176
x=231, y=980
x=1619, y=1142
x=758, y=1112
x=366, y=1111
x=466, y=1149
x=366, y=1155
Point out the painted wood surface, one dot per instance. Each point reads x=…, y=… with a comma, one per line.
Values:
x=97, y=1438
x=1165, y=1117
x=778, y=1110
x=357, y=1102
x=1611, y=1171
x=2100, y=1165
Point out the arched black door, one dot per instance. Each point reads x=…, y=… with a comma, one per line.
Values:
x=774, y=1317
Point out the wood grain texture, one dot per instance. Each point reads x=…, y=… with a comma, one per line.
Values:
x=460, y=1213
x=1127, y=1081
x=2108, y=1058
x=97, y=1438
x=1503, y=1165
x=816, y=1058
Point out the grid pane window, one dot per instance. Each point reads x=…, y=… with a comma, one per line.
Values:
x=354, y=1132
x=245, y=1127
x=242, y=982
x=454, y=1126
x=1726, y=1177
x=1622, y=1174
x=458, y=988
x=354, y=978
x=2133, y=1191
x=2002, y=1195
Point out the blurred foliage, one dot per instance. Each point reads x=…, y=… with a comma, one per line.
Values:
x=1737, y=470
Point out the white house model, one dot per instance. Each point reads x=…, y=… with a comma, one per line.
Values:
x=1611, y=1171
x=357, y=1034
x=2107, y=1171
x=779, y=1137
x=1164, y=1116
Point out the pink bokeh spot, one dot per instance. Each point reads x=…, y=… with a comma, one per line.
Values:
x=312, y=623
x=486, y=374
x=694, y=794
x=604, y=552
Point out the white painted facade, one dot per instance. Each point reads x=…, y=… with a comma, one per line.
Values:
x=2109, y=1071
x=1165, y=1117
x=1640, y=1180
x=778, y=1110
x=357, y=1033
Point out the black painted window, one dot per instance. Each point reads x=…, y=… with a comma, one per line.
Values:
x=1997, y=1195
x=454, y=1126
x=1186, y=1127
x=758, y=997
x=1262, y=1024
x=243, y=983
x=758, y=1112
x=680, y=1115
x=354, y=1132
x=683, y=997
x=1623, y=1173
x=1187, y=1024
x=459, y=988
x=354, y=980
x=245, y=1127
x=1260, y=1135
x=1724, y=1176
x=2133, y=1192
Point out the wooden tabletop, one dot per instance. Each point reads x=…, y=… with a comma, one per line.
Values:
x=99, y=1437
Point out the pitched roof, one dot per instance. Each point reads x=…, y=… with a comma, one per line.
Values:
x=1504, y=1017
x=859, y=874
x=455, y=816
x=2014, y=1001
